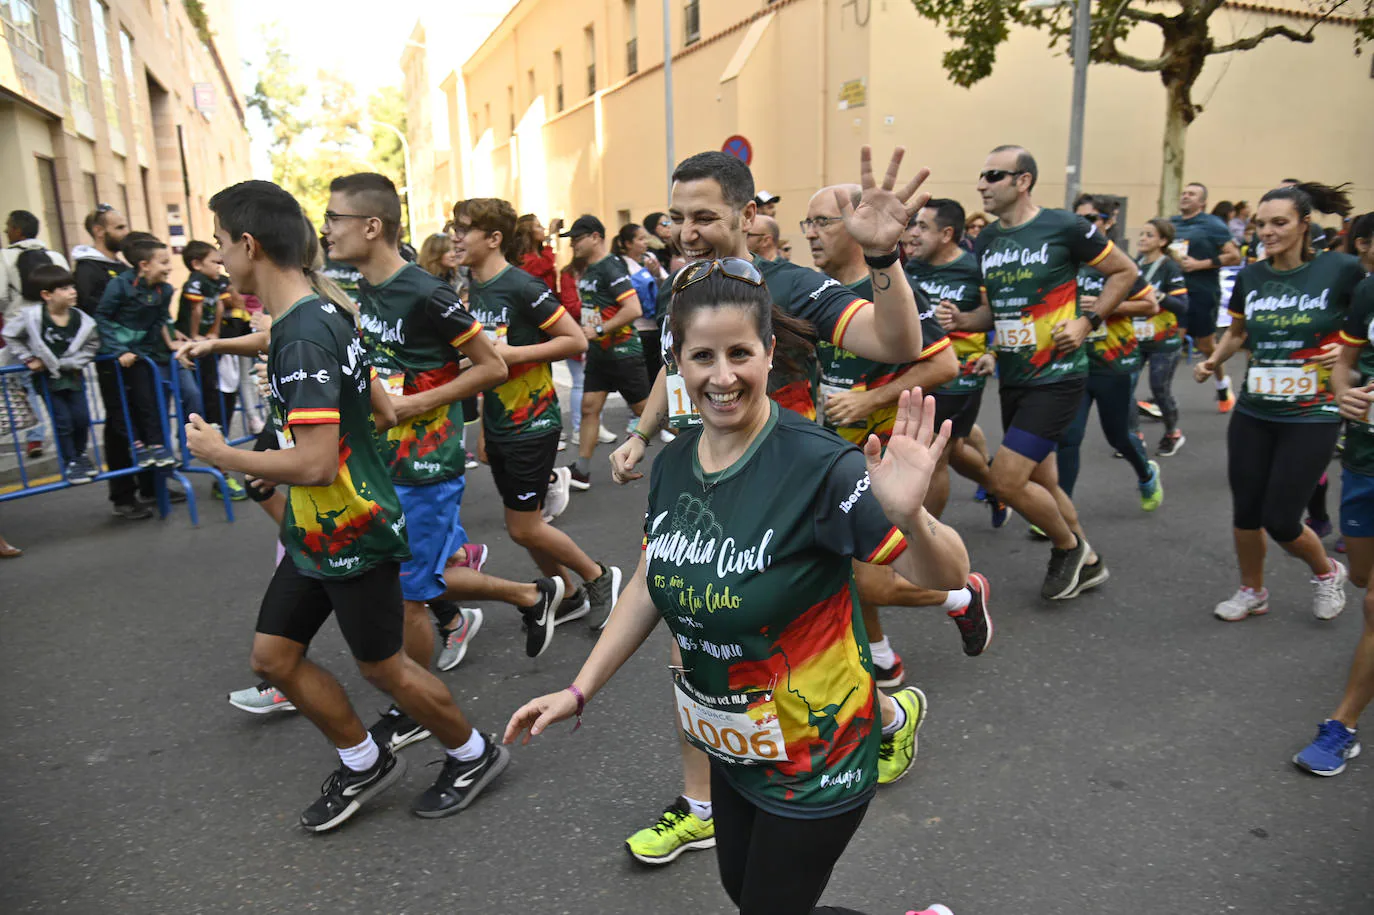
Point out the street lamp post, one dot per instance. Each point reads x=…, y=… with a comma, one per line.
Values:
x=405, y=154
x=1081, y=45
x=668, y=91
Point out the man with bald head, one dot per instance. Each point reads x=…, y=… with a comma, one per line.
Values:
x=765, y=238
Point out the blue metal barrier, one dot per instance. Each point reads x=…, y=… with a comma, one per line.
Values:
x=96, y=408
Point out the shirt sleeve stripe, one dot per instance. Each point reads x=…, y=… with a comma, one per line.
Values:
x=892, y=546
x=1111, y=246
x=625, y=295
x=941, y=344
x=467, y=335
x=554, y=318
x=192, y=297
x=1349, y=340
x=312, y=416
x=842, y=324
x=1235, y=314
x=1142, y=295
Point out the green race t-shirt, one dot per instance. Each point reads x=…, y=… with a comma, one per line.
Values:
x=1166, y=332
x=201, y=290
x=319, y=375
x=751, y=569
x=960, y=283
x=412, y=325
x=1114, y=348
x=59, y=339
x=1359, y=323
x=345, y=275
x=518, y=308
x=842, y=370
x=1031, y=274
x=1290, y=315
x=603, y=288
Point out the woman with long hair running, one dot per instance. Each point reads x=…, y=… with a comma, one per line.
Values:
x=439, y=258
x=631, y=244
x=1161, y=336
x=1287, y=310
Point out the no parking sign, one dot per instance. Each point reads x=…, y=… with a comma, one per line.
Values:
x=740, y=148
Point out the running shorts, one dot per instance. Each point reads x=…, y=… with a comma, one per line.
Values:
x=521, y=469
x=1202, y=318
x=624, y=376
x=435, y=529
x=1357, y=504
x=960, y=409
x=367, y=605
x=1035, y=417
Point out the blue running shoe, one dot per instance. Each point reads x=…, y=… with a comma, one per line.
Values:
x=980, y=494
x=1000, y=512
x=1327, y=753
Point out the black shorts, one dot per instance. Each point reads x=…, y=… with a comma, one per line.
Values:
x=960, y=409
x=471, y=410
x=521, y=469
x=1035, y=417
x=368, y=606
x=1202, y=317
x=627, y=377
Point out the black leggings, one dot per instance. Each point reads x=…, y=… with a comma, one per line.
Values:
x=772, y=865
x=1273, y=467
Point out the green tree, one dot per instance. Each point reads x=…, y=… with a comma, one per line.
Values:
x=979, y=27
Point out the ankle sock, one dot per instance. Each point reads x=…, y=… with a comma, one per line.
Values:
x=362, y=757
x=1223, y=384
x=896, y=725
x=883, y=655
x=469, y=751
x=583, y=465
x=956, y=601
x=700, y=809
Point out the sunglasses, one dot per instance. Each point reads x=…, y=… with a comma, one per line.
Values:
x=994, y=175
x=736, y=268
x=104, y=208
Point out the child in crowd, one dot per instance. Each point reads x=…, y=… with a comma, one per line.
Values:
x=57, y=341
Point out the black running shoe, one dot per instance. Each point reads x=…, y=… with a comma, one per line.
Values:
x=132, y=511
x=539, y=617
x=574, y=607
x=396, y=730
x=975, y=625
x=460, y=782
x=1062, y=576
x=1169, y=444
x=603, y=593
x=345, y=791
x=1093, y=574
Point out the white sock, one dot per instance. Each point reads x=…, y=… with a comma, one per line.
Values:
x=1223, y=384
x=362, y=757
x=469, y=751
x=700, y=809
x=956, y=600
x=896, y=725
x=883, y=655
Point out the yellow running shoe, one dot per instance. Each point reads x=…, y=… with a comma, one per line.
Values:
x=898, y=752
x=676, y=831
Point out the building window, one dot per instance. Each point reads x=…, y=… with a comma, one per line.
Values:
x=558, y=80
x=126, y=51
x=167, y=18
x=52, y=203
x=534, y=86
x=590, y=33
x=691, y=21
x=21, y=26
x=510, y=104
x=631, y=43
x=124, y=196
x=101, y=27
x=93, y=186
x=71, y=55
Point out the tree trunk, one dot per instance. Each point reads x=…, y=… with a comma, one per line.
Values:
x=1177, y=115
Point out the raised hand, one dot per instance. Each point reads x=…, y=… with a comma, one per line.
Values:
x=900, y=475
x=880, y=218
x=538, y=714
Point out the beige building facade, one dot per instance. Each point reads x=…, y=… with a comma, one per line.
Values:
x=561, y=108
x=118, y=102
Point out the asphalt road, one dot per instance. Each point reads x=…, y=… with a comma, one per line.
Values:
x=1122, y=753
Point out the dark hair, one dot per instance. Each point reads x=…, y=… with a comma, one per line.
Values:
x=1106, y=206
x=524, y=238
x=46, y=278
x=1223, y=210
x=1309, y=196
x=624, y=238
x=949, y=214
x=377, y=196
x=1025, y=162
x=1165, y=229
x=794, y=350
x=491, y=215
x=1198, y=184
x=1082, y=199
x=652, y=220
x=195, y=251
x=25, y=222
x=735, y=180
x=1361, y=229
x=140, y=247
x=97, y=218
x=266, y=212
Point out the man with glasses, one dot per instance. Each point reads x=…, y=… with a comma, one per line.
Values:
x=765, y=238
x=1203, y=245
x=1030, y=259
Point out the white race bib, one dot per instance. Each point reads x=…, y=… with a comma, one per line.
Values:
x=682, y=413
x=1289, y=382
x=1144, y=329
x=1014, y=335
x=746, y=737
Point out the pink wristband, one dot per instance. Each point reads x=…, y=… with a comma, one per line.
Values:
x=581, y=704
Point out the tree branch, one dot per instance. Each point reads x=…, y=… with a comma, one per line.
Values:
x=1136, y=15
x=1273, y=31
x=1109, y=53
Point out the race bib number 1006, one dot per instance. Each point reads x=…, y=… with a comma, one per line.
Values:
x=745, y=734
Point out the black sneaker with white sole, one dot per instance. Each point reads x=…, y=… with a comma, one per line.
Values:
x=396, y=730
x=1061, y=578
x=602, y=593
x=574, y=607
x=540, y=617
x=1093, y=574
x=974, y=621
x=460, y=782
x=345, y=791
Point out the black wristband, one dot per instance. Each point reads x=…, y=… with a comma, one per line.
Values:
x=880, y=263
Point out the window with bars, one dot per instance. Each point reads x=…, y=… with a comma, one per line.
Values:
x=70, y=27
x=20, y=18
x=691, y=21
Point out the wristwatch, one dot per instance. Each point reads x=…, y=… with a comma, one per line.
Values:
x=599, y=330
x=1094, y=319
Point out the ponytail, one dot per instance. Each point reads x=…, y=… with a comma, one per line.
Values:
x=1311, y=195
x=324, y=287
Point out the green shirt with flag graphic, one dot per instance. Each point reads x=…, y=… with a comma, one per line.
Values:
x=751, y=568
x=412, y=324
x=1290, y=317
x=1357, y=330
x=320, y=376
x=1166, y=276
x=1031, y=275
x=1114, y=348
x=960, y=283
x=201, y=290
x=603, y=287
x=518, y=309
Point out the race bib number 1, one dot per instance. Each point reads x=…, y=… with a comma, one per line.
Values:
x=1015, y=335
x=1283, y=381
x=735, y=733
x=1144, y=329
x=682, y=413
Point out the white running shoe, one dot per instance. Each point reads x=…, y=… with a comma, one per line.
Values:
x=605, y=436
x=1242, y=604
x=262, y=699
x=556, y=500
x=1328, y=594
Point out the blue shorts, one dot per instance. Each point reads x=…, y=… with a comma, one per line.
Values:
x=435, y=528
x=1357, y=504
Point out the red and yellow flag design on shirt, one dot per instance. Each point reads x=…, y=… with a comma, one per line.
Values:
x=329, y=519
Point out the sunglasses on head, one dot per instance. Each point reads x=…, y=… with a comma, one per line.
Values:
x=736, y=268
x=994, y=175
x=103, y=208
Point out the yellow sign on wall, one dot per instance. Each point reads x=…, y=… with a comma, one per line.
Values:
x=853, y=94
